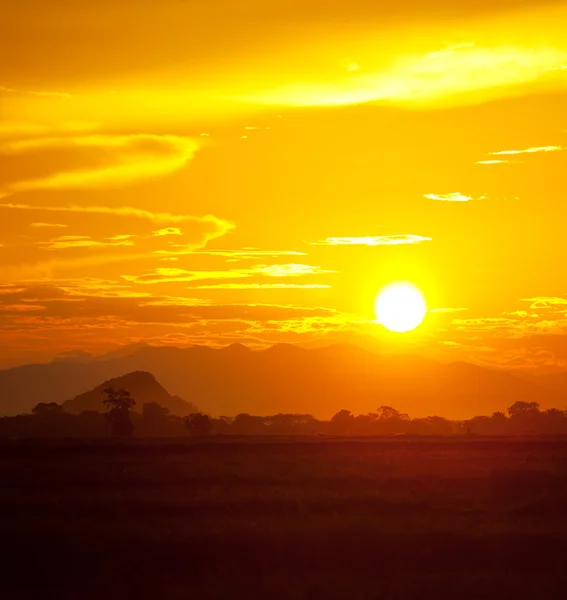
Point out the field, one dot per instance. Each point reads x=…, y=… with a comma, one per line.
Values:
x=285, y=518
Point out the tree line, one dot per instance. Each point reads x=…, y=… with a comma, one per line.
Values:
x=119, y=420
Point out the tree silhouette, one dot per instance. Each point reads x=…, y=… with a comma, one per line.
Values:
x=155, y=420
x=386, y=413
x=199, y=424
x=119, y=403
x=47, y=409
x=525, y=417
x=342, y=422
x=245, y=424
x=521, y=408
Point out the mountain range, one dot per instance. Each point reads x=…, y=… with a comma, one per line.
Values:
x=285, y=379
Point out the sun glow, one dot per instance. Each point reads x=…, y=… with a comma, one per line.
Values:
x=400, y=306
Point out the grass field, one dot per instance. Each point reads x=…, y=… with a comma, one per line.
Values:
x=302, y=518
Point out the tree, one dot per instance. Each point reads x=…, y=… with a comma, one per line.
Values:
x=199, y=424
x=119, y=404
x=521, y=408
x=342, y=422
x=525, y=417
x=47, y=409
x=387, y=413
x=290, y=424
x=245, y=424
x=155, y=420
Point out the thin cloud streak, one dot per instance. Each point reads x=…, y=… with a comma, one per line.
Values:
x=171, y=274
x=82, y=241
x=262, y=286
x=498, y=162
x=533, y=150
x=124, y=211
x=452, y=197
x=377, y=240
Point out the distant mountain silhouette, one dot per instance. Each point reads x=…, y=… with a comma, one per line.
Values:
x=142, y=386
x=74, y=356
x=285, y=379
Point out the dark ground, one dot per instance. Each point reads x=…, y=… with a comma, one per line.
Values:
x=304, y=518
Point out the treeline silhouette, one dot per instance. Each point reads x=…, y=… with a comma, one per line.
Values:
x=50, y=420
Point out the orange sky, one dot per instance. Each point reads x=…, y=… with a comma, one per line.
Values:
x=209, y=172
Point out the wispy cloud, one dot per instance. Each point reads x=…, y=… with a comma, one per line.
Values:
x=262, y=286
x=52, y=94
x=167, y=231
x=128, y=158
x=21, y=308
x=453, y=197
x=8, y=90
x=123, y=211
x=498, y=162
x=533, y=150
x=39, y=225
x=233, y=255
x=97, y=233
x=447, y=310
x=545, y=301
x=82, y=241
x=484, y=323
x=414, y=79
x=376, y=240
x=170, y=274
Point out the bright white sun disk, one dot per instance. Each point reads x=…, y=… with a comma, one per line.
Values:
x=400, y=306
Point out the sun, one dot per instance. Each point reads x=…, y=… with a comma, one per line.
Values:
x=400, y=306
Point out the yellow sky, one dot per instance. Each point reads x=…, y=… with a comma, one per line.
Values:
x=190, y=172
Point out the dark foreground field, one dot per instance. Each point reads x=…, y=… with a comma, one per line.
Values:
x=389, y=518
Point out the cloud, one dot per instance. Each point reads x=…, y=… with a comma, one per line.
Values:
x=99, y=235
x=545, y=301
x=56, y=225
x=124, y=211
x=484, y=322
x=414, y=79
x=20, y=308
x=250, y=253
x=521, y=313
x=446, y=310
x=83, y=241
x=109, y=160
x=377, y=240
x=171, y=274
x=262, y=286
x=167, y=231
x=232, y=255
x=10, y=288
x=534, y=150
x=52, y=94
x=499, y=162
x=452, y=197
x=32, y=93
x=90, y=310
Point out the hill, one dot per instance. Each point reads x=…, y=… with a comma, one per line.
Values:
x=286, y=378
x=142, y=386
